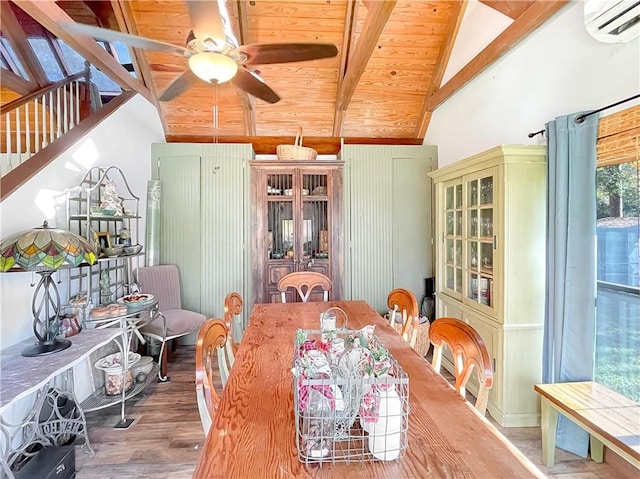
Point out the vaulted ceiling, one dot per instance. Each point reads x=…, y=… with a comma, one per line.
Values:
x=383, y=85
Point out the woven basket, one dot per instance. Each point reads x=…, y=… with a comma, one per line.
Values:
x=296, y=151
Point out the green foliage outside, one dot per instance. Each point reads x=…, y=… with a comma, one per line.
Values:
x=617, y=362
x=618, y=342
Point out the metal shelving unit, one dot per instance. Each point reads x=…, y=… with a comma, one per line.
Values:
x=80, y=201
x=100, y=400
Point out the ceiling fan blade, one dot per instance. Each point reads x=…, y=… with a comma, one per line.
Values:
x=206, y=20
x=179, y=86
x=266, y=53
x=131, y=40
x=253, y=85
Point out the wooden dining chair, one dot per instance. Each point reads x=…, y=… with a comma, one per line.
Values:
x=232, y=308
x=404, y=302
x=469, y=352
x=211, y=353
x=304, y=282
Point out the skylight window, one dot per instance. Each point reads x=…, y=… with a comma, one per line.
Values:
x=43, y=51
x=76, y=64
x=12, y=59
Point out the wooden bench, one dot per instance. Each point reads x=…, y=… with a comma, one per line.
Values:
x=610, y=418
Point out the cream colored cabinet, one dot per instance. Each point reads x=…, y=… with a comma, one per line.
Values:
x=490, y=263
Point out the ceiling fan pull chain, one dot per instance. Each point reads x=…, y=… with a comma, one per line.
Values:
x=215, y=113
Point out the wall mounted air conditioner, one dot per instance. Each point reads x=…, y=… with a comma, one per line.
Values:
x=612, y=21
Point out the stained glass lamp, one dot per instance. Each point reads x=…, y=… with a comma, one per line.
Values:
x=44, y=250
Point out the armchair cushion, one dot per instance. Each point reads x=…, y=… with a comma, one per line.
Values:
x=179, y=323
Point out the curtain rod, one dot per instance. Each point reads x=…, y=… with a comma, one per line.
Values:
x=581, y=118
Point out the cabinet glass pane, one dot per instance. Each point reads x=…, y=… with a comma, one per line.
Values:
x=458, y=223
x=486, y=223
x=472, y=191
x=458, y=280
x=281, y=233
x=473, y=223
x=472, y=289
x=458, y=252
x=280, y=184
x=450, y=223
x=315, y=229
x=486, y=190
x=486, y=289
x=450, y=251
x=459, y=196
x=486, y=257
x=473, y=255
x=450, y=280
x=449, y=198
x=314, y=185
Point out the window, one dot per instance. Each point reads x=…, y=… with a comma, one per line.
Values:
x=42, y=49
x=617, y=361
x=10, y=60
x=76, y=64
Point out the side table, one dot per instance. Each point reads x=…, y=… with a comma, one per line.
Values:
x=50, y=377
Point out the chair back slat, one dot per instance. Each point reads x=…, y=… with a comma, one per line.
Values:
x=469, y=352
x=304, y=282
x=210, y=354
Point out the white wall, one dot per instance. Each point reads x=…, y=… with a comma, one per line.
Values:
x=123, y=140
x=559, y=69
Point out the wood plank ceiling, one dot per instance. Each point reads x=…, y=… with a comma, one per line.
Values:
x=383, y=85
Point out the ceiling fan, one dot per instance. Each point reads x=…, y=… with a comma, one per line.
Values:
x=214, y=53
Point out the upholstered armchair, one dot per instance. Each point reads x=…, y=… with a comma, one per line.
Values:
x=172, y=321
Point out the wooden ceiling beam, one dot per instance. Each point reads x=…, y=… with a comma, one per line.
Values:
x=512, y=9
x=348, y=38
x=378, y=14
x=16, y=83
x=127, y=24
x=240, y=13
x=266, y=145
x=50, y=16
x=453, y=27
x=14, y=32
x=532, y=18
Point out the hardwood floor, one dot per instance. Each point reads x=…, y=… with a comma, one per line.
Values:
x=166, y=437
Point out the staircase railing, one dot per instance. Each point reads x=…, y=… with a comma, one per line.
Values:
x=32, y=122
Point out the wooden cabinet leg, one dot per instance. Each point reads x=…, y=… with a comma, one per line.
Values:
x=549, y=423
x=597, y=448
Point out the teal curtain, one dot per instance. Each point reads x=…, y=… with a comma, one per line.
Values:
x=569, y=329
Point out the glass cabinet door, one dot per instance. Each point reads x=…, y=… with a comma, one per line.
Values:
x=453, y=238
x=479, y=240
x=281, y=234
x=315, y=216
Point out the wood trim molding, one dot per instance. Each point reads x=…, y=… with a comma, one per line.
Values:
x=377, y=15
x=24, y=172
x=12, y=29
x=526, y=23
x=453, y=27
x=50, y=16
x=266, y=145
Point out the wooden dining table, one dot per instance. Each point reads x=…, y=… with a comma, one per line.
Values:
x=254, y=432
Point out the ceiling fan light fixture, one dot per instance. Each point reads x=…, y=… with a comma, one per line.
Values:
x=213, y=67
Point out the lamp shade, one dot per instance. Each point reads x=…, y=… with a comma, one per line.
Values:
x=213, y=67
x=44, y=248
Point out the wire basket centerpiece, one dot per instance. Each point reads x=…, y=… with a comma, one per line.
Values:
x=351, y=397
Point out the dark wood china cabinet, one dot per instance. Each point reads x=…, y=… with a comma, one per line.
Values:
x=296, y=224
